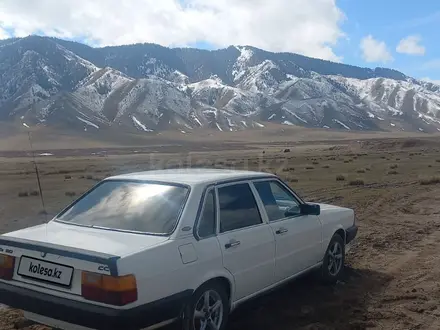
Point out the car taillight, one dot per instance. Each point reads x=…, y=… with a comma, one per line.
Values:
x=112, y=290
x=7, y=264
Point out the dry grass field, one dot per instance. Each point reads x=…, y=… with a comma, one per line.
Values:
x=391, y=280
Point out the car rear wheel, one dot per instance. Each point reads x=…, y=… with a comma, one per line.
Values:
x=334, y=260
x=208, y=309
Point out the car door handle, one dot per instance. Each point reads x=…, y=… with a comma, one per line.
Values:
x=232, y=244
x=281, y=231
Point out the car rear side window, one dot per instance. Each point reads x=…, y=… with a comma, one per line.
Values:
x=207, y=224
x=129, y=205
x=276, y=199
x=238, y=208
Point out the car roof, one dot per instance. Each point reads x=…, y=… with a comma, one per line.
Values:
x=192, y=176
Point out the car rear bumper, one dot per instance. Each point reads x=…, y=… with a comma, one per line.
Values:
x=92, y=316
x=351, y=234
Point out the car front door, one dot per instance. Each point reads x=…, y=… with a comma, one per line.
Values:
x=246, y=240
x=298, y=237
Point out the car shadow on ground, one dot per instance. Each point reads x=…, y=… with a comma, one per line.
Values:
x=306, y=303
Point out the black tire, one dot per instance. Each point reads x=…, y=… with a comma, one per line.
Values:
x=215, y=288
x=330, y=275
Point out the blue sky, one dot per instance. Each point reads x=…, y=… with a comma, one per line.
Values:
x=390, y=21
x=366, y=33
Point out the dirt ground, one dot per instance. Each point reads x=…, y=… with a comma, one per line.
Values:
x=393, y=269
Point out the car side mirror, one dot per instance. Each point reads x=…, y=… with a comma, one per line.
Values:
x=310, y=209
x=292, y=212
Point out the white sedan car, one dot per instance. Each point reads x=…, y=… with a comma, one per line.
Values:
x=147, y=249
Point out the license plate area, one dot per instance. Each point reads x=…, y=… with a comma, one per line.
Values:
x=46, y=271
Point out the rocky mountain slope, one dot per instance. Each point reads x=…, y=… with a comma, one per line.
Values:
x=149, y=88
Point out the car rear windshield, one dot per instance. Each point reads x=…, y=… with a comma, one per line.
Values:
x=130, y=206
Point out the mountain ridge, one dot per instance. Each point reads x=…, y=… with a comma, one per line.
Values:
x=147, y=88
x=369, y=72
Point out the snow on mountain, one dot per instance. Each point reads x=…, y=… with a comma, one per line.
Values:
x=146, y=88
x=214, y=93
x=153, y=97
x=263, y=77
x=88, y=122
x=33, y=69
x=241, y=63
x=75, y=59
x=97, y=89
x=138, y=124
x=179, y=79
x=395, y=98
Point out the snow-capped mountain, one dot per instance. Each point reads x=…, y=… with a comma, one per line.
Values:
x=34, y=69
x=148, y=88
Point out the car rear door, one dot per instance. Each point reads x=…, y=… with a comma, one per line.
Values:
x=246, y=240
x=298, y=238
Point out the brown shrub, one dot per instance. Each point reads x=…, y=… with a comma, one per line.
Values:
x=357, y=182
x=340, y=177
x=430, y=181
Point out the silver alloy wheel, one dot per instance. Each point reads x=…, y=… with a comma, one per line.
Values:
x=334, y=258
x=208, y=313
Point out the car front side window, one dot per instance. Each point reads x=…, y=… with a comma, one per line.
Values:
x=238, y=208
x=277, y=200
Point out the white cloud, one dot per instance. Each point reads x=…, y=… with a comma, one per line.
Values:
x=309, y=27
x=3, y=34
x=375, y=50
x=411, y=46
x=434, y=81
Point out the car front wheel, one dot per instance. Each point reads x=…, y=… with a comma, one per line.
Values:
x=334, y=259
x=208, y=309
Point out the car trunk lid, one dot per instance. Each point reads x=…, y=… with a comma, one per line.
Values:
x=53, y=255
x=70, y=236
